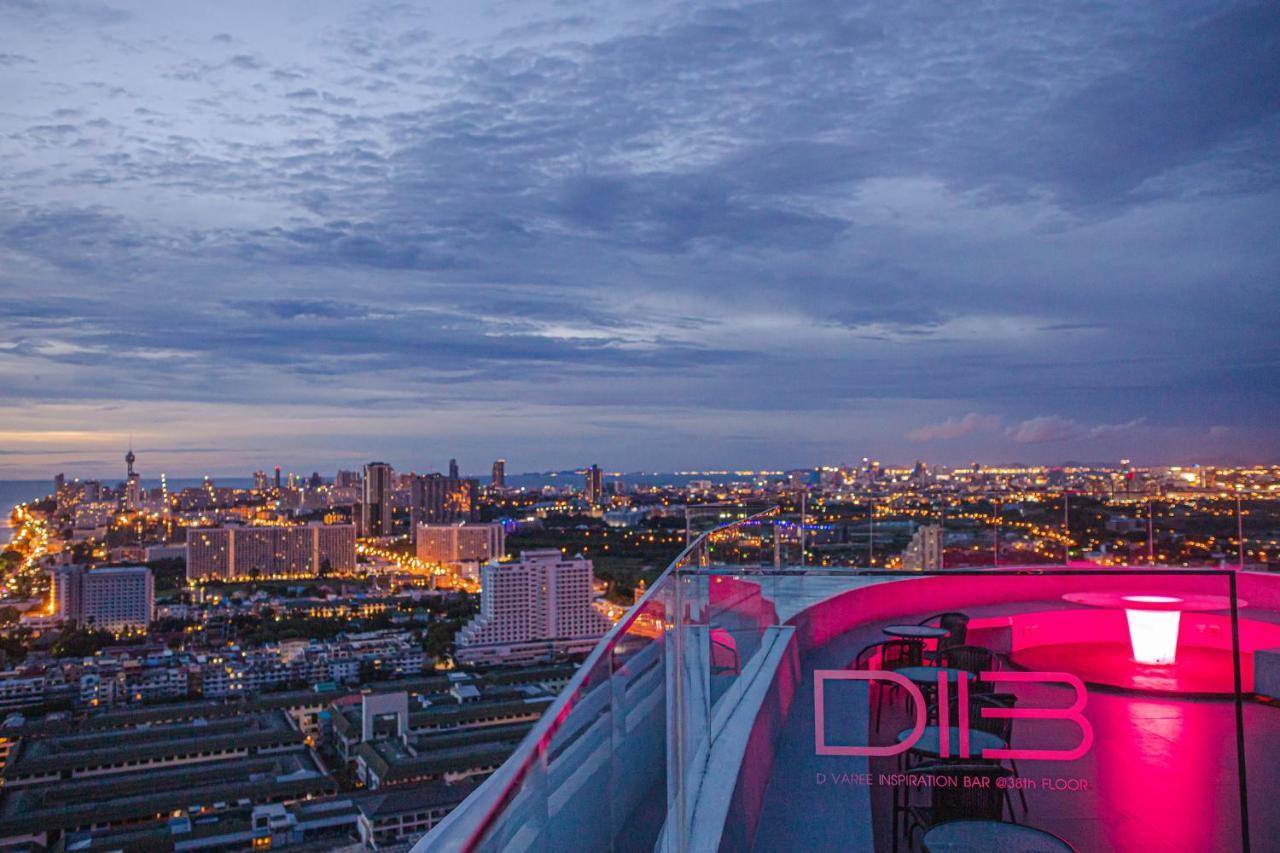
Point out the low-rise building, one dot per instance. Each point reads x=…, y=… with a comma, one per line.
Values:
x=403, y=814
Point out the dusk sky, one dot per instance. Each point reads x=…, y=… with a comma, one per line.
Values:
x=649, y=235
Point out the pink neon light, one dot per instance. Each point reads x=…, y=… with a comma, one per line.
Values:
x=1072, y=712
x=821, y=676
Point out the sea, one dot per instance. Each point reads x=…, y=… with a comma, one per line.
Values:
x=14, y=492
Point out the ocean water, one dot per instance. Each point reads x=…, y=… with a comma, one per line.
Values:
x=18, y=491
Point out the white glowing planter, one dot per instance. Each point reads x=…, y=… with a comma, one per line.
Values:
x=1153, y=634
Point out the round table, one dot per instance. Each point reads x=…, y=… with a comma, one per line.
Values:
x=930, y=742
x=916, y=632
x=1153, y=619
x=927, y=678
x=928, y=675
x=991, y=836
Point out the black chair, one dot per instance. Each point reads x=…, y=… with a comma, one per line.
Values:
x=957, y=627
x=958, y=800
x=974, y=659
x=1001, y=727
x=893, y=655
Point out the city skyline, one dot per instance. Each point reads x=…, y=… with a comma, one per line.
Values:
x=149, y=479
x=790, y=232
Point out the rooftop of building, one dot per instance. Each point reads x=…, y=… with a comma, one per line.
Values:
x=391, y=802
x=74, y=750
x=392, y=759
x=230, y=827
x=158, y=792
x=444, y=707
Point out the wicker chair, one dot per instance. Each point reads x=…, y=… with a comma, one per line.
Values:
x=957, y=627
x=959, y=801
x=893, y=655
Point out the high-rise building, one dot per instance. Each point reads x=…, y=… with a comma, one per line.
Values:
x=453, y=469
x=460, y=543
x=303, y=550
x=375, y=506
x=532, y=609
x=112, y=598
x=261, y=482
x=924, y=551
x=595, y=485
x=277, y=480
x=436, y=499
x=499, y=480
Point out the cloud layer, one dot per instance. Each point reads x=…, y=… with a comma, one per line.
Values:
x=661, y=236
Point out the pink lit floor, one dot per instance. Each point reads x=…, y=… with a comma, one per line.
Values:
x=1196, y=670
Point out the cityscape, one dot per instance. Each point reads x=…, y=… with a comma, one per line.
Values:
x=297, y=613
x=693, y=426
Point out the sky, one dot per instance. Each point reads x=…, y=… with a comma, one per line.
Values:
x=660, y=235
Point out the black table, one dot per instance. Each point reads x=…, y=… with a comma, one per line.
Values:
x=916, y=632
x=991, y=836
x=927, y=676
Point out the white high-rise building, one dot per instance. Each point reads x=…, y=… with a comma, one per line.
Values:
x=533, y=609
x=924, y=552
x=111, y=598
x=450, y=544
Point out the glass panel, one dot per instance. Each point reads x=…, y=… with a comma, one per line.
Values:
x=1099, y=707
x=774, y=693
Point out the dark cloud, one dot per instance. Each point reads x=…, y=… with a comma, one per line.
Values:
x=876, y=226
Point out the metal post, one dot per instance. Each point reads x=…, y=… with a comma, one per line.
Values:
x=680, y=722
x=804, y=495
x=1151, y=532
x=1239, y=529
x=1066, y=528
x=995, y=550
x=942, y=546
x=871, y=534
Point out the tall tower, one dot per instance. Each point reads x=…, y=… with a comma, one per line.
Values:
x=595, y=485
x=375, y=508
x=133, y=484
x=453, y=469
x=499, y=480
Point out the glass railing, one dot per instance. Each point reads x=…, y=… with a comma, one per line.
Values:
x=594, y=773
x=761, y=698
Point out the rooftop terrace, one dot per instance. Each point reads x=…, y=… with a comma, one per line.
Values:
x=741, y=704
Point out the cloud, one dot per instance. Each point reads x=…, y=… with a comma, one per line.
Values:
x=1054, y=428
x=761, y=210
x=953, y=428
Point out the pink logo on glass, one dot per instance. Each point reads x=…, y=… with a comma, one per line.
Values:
x=1072, y=712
